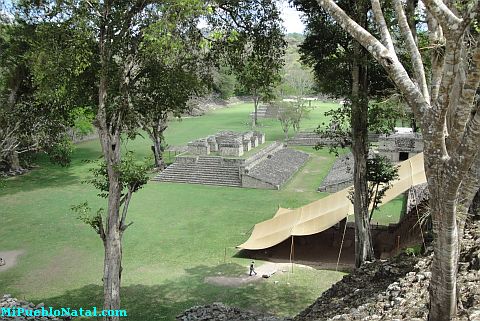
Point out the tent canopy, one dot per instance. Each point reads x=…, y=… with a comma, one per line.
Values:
x=324, y=213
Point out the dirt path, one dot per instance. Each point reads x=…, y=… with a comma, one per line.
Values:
x=268, y=268
x=10, y=258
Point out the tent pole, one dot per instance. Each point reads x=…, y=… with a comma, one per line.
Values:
x=291, y=254
x=341, y=244
x=418, y=217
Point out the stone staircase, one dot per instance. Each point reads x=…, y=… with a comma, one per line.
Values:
x=266, y=111
x=206, y=171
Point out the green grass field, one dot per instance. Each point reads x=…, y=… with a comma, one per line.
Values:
x=178, y=238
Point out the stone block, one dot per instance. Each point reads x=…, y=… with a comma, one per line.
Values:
x=198, y=147
x=247, y=145
x=254, y=141
x=231, y=149
x=212, y=142
x=261, y=137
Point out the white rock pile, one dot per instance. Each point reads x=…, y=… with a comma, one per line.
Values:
x=221, y=312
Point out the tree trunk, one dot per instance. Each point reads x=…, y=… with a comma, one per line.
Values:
x=157, y=153
x=255, y=106
x=155, y=130
x=109, y=131
x=157, y=139
x=443, y=286
x=13, y=161
x=475, y=207
x=359, y=123
x=112, y=270
x=443, y=187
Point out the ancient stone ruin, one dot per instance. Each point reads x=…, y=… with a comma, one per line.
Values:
x=400, y=146
x=226, y=143
x=217, y=160
x=396, y=147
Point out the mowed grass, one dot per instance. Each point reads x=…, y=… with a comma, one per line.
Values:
x=180, y=233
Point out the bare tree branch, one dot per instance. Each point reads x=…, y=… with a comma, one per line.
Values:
x=437, y=40
x=417, y=62
x=387, y=59
x=447, y=19
x=382, y=26
x=466, y=99
x=468, y=147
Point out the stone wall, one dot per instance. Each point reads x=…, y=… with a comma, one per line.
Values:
x=186, y=159
x=252, y=182
x=308, y=139
x=400, y=146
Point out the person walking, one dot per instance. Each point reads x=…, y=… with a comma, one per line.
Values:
x=252, y=268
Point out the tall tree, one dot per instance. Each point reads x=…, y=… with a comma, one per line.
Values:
x=117, y=31
x=254, y=43
x=175, y=66
x=343, y=69
x=448, y=116
x=31, y=120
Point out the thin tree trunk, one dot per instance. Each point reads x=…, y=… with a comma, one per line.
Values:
x=255, y=106
x=157, y=138
x=359, y=122
x=109, y=134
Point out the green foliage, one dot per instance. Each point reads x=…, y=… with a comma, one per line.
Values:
x=337, y=129
x=329, y=50
x=413, y=251
x=224, y=83
x=291, y=113
x=380, y=175
x=253, y=46
x=297, y=79
x=83, y=212
x=61, y=152
x=382, y=117
x=83, y=120
x=132, y=174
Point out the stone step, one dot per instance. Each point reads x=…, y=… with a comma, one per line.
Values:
x=189, y=181
x=211, y=178
x=198, y=177
x=200, y=172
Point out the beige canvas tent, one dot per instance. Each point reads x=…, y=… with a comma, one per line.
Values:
x=320, y=215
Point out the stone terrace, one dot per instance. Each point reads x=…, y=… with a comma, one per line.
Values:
x=340, y=176
x=277, y=169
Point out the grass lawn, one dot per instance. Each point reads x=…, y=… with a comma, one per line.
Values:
x=178, y=238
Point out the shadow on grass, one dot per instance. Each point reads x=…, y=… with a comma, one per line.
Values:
x=167, y=300
x=45, y=174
